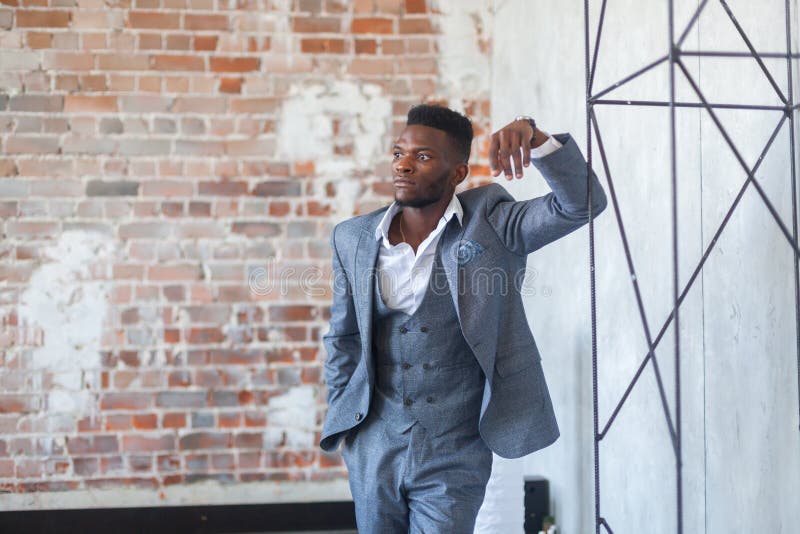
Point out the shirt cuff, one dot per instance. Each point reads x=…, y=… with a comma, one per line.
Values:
x=548, y=147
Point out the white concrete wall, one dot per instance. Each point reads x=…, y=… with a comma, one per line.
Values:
x=741, y=444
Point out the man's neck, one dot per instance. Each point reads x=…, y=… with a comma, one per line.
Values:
x=414, y=225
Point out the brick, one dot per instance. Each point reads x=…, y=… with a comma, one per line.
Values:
x=155, y=230
x=83, y=103
x=366, y=46
x=415, y=6
x=293, y=313
x=19, y=403
x=31, y=229
x=36, y=103
x=230, y=85
x=185, y=272
x=125, y=401
x=372, y=25
x=206, y=22
x=256, y=229
x=179, y=42
x=316, y=24
x=86, y=466
x=205, y=335
x=98, y=188
x=97, y=444
x=32, y=145
x=234, y=64
x=181, y=399
x=115, y=422
x=177, y=63
x=205, y=440
x=249, y=440
x=205, y=43
x=174, y=420
x=122, y=62
x=416, y=25
x=323, y=46
x=29, y=18
x=153, y=20
x=277, y=188
x=145, y=421
x=371, y=66
x=143, y=443
x=167, y=188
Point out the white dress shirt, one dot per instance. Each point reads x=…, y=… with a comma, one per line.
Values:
x=402, y=275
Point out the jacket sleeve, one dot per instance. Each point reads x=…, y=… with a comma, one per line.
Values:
x=343, y=339
x=527, y=225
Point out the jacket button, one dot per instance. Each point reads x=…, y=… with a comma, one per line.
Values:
x=426, y=365
x=403, y=329
x=408, y=402
x=358, y=416
x=423, y=329
x=429, y=399
x=406, y=366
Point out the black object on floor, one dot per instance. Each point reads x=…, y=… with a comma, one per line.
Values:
x=537, y=503
x=284, y=517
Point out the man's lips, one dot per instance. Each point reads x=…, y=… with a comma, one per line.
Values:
x=402, y=182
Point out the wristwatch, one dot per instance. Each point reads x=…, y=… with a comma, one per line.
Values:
x=531, y=122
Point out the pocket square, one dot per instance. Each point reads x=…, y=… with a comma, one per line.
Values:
x=468, y=250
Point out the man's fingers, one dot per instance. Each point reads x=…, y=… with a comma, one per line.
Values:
x=505, y=153
x=494, y=148
x=526, y=151
x=516, y=147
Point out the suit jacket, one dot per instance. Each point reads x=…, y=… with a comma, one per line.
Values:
x=484, y=260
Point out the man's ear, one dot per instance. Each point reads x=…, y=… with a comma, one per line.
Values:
x=460, y=173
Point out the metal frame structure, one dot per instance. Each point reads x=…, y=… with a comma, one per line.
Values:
x=674, y=57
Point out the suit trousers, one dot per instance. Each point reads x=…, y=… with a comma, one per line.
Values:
x=416, y=481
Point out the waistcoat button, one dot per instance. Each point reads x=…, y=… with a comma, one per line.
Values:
x=423, y=329
x=358, y=416
x=403, y=329
x=406, y=366
x=408, y=402
x=429, y=399
x=426, y=365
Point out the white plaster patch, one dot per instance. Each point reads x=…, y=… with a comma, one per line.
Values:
x=306, y=133
x=68, y=305
x=465, y=26
x=294, y=414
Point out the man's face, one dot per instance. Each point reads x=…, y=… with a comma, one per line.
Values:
x=423, y=167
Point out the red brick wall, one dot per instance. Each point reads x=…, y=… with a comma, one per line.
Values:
x=148, y=131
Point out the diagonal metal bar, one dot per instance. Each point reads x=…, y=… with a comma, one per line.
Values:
x=741, y=161
x=693, y=277
x=597, y=44
x=630, y=77
x=717, y=53
x=606, y=525
x=755, y=54
x=793, y=167
x=655, y=103
x=691, y=23
x=634, y=278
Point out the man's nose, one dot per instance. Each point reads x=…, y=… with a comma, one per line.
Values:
x=401, y=166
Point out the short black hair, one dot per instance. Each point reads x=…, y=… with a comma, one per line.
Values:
x=457, y=126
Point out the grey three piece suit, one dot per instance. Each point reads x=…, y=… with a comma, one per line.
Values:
x=422, y=400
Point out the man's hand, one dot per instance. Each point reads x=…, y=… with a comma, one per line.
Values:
x=512, y=141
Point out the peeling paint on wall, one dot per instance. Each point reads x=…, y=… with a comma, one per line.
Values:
x=465, y=28
x=69, y=305
x=293, y=416
x=343, y=112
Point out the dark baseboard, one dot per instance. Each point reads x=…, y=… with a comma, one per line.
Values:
x=184, y=519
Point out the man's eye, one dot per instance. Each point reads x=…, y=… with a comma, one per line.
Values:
x=396, y=155
x=424, y=157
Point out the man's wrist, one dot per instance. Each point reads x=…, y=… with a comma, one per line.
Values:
x=539, y=138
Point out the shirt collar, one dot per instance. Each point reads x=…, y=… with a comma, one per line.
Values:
x=453, y=209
